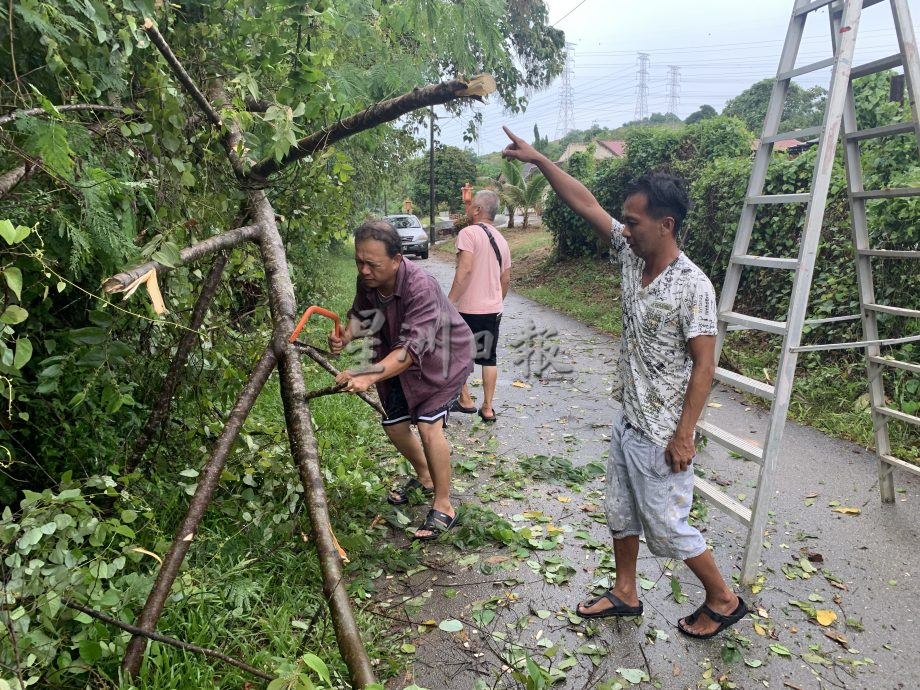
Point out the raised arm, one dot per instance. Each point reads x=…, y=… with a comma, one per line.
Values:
x=570, y=190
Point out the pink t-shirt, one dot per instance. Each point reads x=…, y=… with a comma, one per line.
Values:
x=483, y=294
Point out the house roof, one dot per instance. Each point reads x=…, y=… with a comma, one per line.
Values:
x=616, y=146
x=781, y=145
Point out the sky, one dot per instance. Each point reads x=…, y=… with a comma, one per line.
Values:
x=720, y=48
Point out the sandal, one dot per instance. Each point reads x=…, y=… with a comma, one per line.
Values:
x=457, y=407
x=437, y=523
x=724, y=621
x=619, y=608
x=486, y=420
x=405, y=490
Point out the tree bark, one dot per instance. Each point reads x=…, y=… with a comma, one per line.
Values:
x=11, y=178
x=303, y=443
x=211, y=245
x=157, y=637
x=377, y=114
x=204, y=492
x=177, y=369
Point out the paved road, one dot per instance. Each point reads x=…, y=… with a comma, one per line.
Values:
x=868, y=577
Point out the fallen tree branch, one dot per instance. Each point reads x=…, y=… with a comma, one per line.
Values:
x=11, y=178
x=157, y=637
x=318, y=357
x=177, y=369
x=377, y=114
x=328, y=390
x=64, y=109
x=303, y=443
x=228, y=139
x=204, y=492
x=211, y=245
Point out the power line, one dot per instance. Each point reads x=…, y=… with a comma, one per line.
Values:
x=569, y=12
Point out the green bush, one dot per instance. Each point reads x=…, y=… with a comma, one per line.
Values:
x=572, y=236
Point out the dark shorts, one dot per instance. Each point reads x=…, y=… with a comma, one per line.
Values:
x=397, y=408
x=485, y=335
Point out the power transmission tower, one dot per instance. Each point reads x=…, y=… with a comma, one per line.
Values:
x=673, y=88
x=642, y=88
x=566, y=119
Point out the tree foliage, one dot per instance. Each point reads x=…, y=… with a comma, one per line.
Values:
x=453, y=168
x=803, y=107
x=704, y=113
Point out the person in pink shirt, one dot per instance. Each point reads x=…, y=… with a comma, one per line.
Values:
x=478, y=291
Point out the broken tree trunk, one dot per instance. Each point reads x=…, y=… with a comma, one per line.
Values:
x=11, y=178
x=377, y=114
x=177, y=368
x=204, y=492
x=211, y=245
x=303, y=443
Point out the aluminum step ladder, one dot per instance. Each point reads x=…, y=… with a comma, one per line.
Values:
x=839, y=112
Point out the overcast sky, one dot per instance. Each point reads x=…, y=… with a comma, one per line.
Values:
x=719, y=46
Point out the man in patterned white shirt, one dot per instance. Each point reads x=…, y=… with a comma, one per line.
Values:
x=665, y=370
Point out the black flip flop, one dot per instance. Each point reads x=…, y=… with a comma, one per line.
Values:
x=457, y=407
x=406, y=489
x=619, y=608
x=724, y=621
x=437, y=523
x=486, y=420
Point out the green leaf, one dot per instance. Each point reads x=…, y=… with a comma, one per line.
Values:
x=318, y=666
x=780, y=650
x=407, y=648
x=23, y=353
x=633, y=675
x=730, y=653
x=450, y=625
x=8, y=231
x=90, y=651
x=14, y=279
x=13, y=315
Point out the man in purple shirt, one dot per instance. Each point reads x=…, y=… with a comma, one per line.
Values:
x=422, y=356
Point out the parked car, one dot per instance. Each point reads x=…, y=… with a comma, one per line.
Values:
x=413, y=235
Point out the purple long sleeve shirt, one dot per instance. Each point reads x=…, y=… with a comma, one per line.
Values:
x=419, y=317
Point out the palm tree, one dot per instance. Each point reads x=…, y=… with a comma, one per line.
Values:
x=518, y=192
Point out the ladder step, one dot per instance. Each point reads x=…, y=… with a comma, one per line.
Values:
x=895, y=363
x=766, y=261
x=886, y=131
x=876, y=66
x=805, y=69
x=748, y=385
x=805, y=7
x=723, y=501
x=896, y=414
x=780, y=198
x=897, y=311
x=897, y=462
x=729, y=441
x=794, y=134
x=890, y=253
x=893, y=193
x=766, y=325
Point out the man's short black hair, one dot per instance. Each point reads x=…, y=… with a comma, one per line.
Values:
x=665, y=195
x=380, y=230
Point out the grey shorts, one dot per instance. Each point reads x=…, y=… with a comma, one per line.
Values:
x=645, y=495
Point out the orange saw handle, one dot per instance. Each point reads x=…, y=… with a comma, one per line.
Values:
x=322, y=312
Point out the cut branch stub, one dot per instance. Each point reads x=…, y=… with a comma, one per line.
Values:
x=212, y=245
x=377, y=114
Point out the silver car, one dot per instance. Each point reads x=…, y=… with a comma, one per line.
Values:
x=414, y=239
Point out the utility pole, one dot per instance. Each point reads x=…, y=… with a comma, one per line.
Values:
x=673, y=88
x=432, y=232
x=642, y=88
x=566, y=118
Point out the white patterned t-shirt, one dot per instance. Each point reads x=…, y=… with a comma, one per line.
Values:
x=658, y=320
